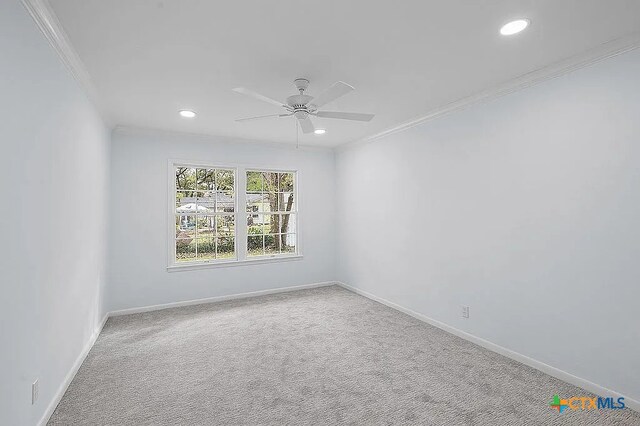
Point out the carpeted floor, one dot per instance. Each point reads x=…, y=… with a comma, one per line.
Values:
x=323, y=356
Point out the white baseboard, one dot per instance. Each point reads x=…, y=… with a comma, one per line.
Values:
x=72, y=373
x=538, y=365
x=85, y=351
x=545, y=368
x=217, y=299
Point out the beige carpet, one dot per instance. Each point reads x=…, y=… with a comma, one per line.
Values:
x=323, y=356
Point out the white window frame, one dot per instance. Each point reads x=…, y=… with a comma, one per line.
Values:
x=296, y=213
x=240, y=215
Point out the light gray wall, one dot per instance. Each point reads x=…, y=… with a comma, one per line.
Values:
x=139, y=214
x=53, y=186
x=525, y=208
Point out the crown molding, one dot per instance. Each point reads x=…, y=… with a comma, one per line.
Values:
x=129, y=130
x=604, y=51
x=46, y=19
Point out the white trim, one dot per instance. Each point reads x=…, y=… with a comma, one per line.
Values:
x=171, y=199
x=547, y=369
x=604, y=51
x=131, y=130
x=72, y=373
x=296, y=213
x=231, y=263
x=240, y=240
x=92, y=340
x=46, y=19
x=533, y=363
x=218, y=298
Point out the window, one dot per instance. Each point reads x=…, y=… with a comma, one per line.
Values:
x=207, y=223
x=271, y=213
x=205, y=214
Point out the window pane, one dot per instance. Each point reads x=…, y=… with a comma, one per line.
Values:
x=205, y=206
x=286, y=202
x=288, y=223
x=271, y=223
x=225, y=247
x=255, y=245
x=257, y=224
x=206, y=248
x=288, y=243
x=254, y=225
x=225, y=226
x=254, y=202
x=201, y=233
x=205, y=203
x=185, y=250
x=254, y=182
x=272, y=244
x=185, y=226
x=278, y=202
x=188, y=203
x=185, y=201
x=185, y=178
x=270, y=201
x=285, y=181
x=261, y=222
x=205, y=179
x=224, y=180
x=206, y=226
x=269, y=195
x=270, y=182
x=225, y=201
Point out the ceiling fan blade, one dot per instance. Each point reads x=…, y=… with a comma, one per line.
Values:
x=264, y=116
x=336, y=90
x=307, y=125
x=258, y=96
x=345, y=115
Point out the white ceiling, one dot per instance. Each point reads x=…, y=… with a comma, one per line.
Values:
x=149, y=58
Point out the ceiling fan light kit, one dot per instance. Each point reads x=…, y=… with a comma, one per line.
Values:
x=302, y=106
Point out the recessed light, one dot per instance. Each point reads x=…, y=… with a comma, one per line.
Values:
x=187, y=113
x=319, y=131
x=514, y=27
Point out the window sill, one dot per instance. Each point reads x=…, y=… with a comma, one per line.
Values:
x=231, y=263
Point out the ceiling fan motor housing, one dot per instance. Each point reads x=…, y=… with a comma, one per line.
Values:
x=298, y=101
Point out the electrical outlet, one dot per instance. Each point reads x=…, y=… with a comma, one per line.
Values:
x=465, y=312
x=34, y=392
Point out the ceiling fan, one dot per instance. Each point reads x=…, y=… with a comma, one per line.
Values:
x=302, y=106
